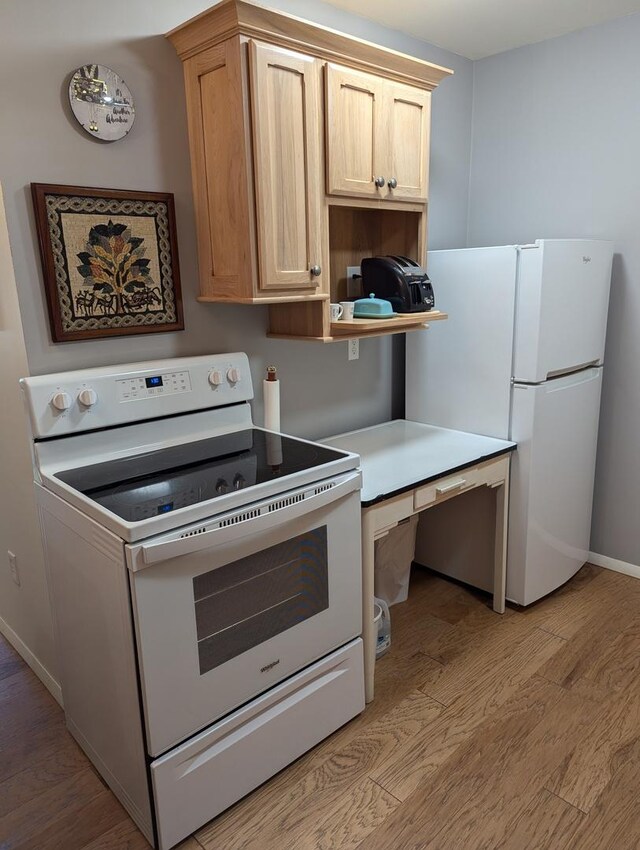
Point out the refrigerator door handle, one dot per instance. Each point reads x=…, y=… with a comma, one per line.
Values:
x=562, y=382
x=560, y=373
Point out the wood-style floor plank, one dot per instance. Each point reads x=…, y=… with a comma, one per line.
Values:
x=36, y=816
x=546, y=822
x=591, y=765
x=572, y=609
x=71, y=832
x=414, y=764
x=519, y=732
x=570, y=664
x=123, y=836
x=10, y=661
x=354, y=817
x=519, y=771
x=617, y=666
x=60, y=760
x=614, y=822
x=25, y=750
x=464, y=775
x=21, y=688
x=282, y=809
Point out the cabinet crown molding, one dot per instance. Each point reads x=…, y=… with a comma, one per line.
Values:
x=238, y=17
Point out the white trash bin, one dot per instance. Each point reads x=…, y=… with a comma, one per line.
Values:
x=393, y=557
x=381, y=626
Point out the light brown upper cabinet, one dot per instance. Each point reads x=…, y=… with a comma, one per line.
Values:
x=256, y=142
x=377, y=136
x=285, y=101
x=408, y=114
x=289, y=125
x=356, y=133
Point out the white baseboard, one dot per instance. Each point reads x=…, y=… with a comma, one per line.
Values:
x=614, y=564
x=36, y=665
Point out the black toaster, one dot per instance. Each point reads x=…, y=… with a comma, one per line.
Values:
x=399, y=280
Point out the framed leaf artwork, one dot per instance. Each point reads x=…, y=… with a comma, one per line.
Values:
x=110, y=261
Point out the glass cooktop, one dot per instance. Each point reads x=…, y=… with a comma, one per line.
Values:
x=157, y=482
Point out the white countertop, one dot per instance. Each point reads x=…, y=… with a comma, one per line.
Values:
x=399, y=455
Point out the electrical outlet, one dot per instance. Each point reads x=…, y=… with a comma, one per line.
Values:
x=13, y=567
x=354, y=282
x=353, y=348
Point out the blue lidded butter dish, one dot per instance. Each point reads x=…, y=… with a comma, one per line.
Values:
x=373, y=308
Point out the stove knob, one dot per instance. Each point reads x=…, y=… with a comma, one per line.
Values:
x=239, y=482
x=88, y=397
x=61, y=401
x=215, y=378
x=233, y=375
x=221, y=487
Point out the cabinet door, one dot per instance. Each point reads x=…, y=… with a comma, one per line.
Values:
x=285, y=98
x=408, y=118
x=355, y=132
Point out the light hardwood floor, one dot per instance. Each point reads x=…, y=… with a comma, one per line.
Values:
x=514, y=732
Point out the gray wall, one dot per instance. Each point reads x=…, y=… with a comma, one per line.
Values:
x=42, y=43
x=322, y=392
x=556, y=136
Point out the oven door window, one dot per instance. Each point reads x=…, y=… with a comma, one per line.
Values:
x=246, y=602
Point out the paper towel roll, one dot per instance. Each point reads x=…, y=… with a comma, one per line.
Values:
x=271, y=391
x=274, y=451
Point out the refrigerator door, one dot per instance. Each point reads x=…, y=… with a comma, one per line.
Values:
x=459, y=371
x=556, y=426
x=561, y=307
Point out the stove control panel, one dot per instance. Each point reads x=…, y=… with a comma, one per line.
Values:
x=85, y=400
x=153, y=386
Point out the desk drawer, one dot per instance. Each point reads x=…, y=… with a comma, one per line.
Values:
x=490, y=473
x=444, y=488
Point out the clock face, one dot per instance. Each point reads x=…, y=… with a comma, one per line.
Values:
x=101, y=102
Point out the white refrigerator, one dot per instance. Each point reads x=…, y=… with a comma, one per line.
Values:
x=521, y=358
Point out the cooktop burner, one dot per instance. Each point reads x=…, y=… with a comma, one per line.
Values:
x=141, y=486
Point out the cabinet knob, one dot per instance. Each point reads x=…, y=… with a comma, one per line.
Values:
x=315, y=271
x=379, y=181
x=393, y=183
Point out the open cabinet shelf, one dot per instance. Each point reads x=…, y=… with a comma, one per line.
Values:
x=356, y=232
x=397, y=324
x=362, y=328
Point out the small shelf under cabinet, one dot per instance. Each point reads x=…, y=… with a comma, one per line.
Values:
x=363, y=328
x=397, y=324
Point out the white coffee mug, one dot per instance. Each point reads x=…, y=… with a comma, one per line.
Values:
x=347, y=310
x=336, y=312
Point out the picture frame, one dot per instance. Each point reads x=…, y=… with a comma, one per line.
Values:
x=109, y=260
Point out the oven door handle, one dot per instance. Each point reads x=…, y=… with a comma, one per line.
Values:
x=154, y=553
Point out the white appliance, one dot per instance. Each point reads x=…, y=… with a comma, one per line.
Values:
x=205, y=582
x=521, y=358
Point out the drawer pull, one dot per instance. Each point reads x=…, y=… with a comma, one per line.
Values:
x=452, y=485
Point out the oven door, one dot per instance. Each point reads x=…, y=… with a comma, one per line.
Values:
x=226, y=609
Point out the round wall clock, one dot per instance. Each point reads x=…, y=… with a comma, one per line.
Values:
x=101, y=102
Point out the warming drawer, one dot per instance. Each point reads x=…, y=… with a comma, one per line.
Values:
x=199, y=779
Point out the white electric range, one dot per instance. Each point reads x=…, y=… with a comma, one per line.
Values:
x=205, y=582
